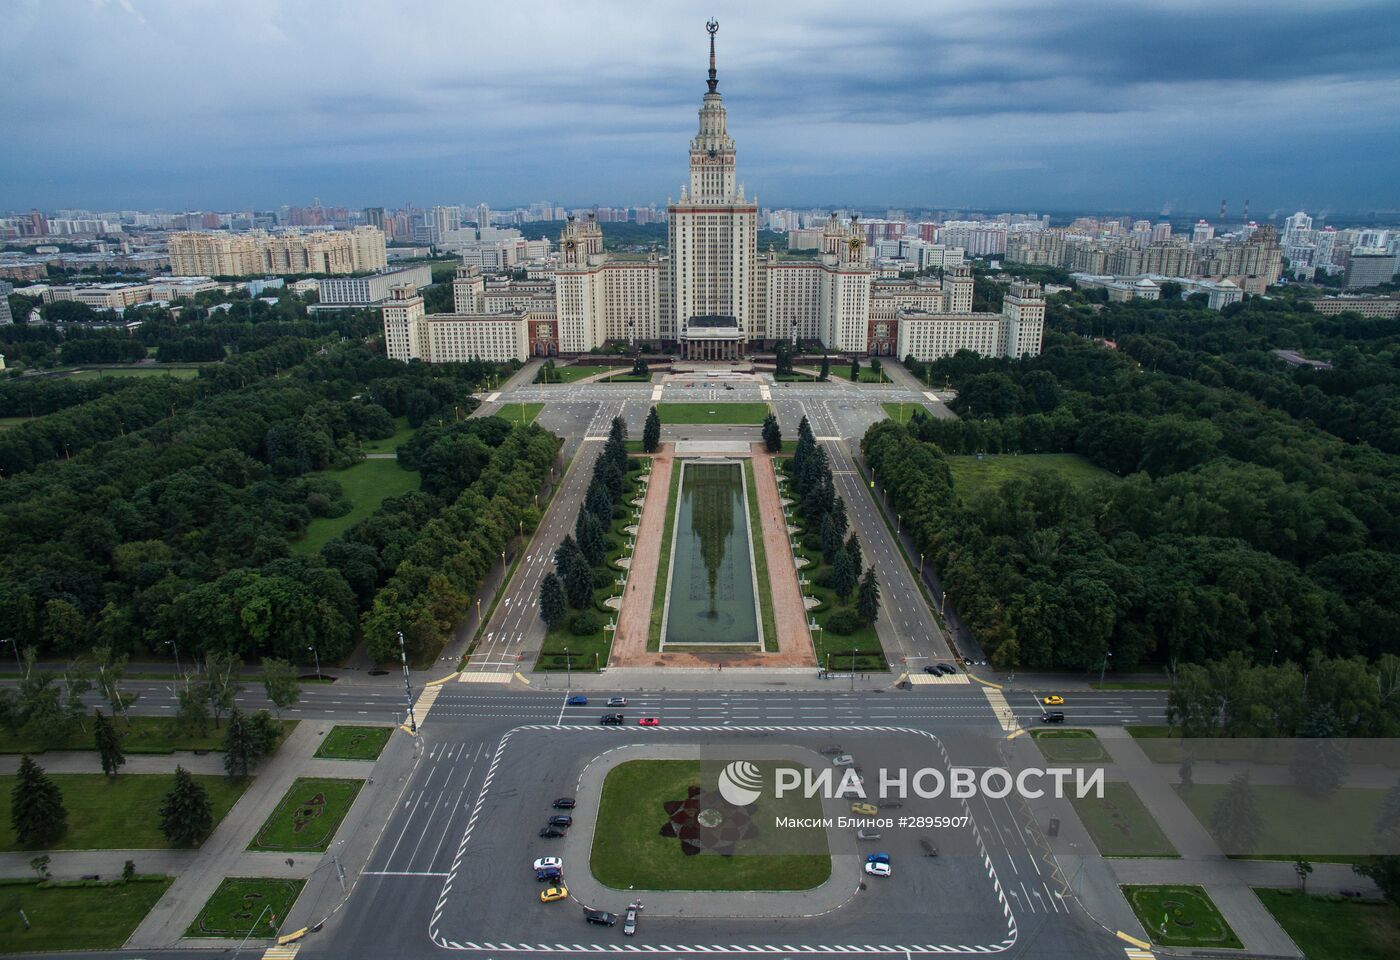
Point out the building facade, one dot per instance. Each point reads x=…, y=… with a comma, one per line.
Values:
x=712, y=297
x=196, y=254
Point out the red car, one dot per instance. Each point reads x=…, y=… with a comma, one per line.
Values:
x=649, y=722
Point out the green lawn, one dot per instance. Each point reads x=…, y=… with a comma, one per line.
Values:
x=1331, y=928
x=716, y=411
x=142, y=735
x=663, y=563
x=308, y=815
x=904, y=412
x=7, y=422
x=971, y=474
x=346, y=742
x=402, y=431
x=1120, y=825
x=182, y=373
x=1336, y=826
x=120, y=814
x=109, y=913
x=573, y=374
x=1191, y=919
x=239, y=904
x=629, y=850
x=843, y=372
x=520, y=413
x=1070, y=746
x=366, y=485
x=760, y=564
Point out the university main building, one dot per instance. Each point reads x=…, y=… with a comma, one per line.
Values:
x=713, y=297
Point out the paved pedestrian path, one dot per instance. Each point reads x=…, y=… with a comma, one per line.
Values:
x=225, y=853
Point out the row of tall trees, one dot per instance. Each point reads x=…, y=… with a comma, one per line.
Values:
x=178, y=530
x=433, y=585
x=1234, y=528
x=579, y=561
x=824, y=514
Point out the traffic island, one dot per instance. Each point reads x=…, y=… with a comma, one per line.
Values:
x=246, y=907
x=1180, y=916
x=659, y=829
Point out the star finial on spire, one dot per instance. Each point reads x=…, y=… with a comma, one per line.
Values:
x=713, y=28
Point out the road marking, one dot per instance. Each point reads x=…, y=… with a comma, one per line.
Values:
x=288, y=952
x=484, y=676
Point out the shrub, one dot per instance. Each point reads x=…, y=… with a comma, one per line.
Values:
x=844, y=622
x=602, y=577
x=585, y=623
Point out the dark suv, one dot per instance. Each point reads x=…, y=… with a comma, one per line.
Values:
x=564, y=803
x=1053, y=716
x=561, y=821
x=610, y=719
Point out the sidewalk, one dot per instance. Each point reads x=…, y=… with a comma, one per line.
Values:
x=225, y=853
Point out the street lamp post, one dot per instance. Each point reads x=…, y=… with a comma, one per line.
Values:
x=15, y=644
x=173, y=646
x=408, y=691
x=1103, y=668
x=568, y=670
x=317, y=656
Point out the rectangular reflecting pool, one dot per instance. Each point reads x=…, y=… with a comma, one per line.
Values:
x=711, y=594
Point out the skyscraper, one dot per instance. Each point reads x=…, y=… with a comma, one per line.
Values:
x=713, y=228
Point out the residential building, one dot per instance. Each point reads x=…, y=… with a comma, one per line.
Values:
x=1369, y=268
x=344, y=292
x=249, y=254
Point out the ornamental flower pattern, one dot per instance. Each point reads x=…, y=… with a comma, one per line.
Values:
x=704, y=822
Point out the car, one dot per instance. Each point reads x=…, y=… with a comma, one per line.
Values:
x=617, y=701
x=564, y=803
x=728, y=387
x=544, y=863
x=889, y=804
x=878, y=869
x=933, y=669
x=868, y=835
x=1054, y=716
x=927, y=846
x=601, y=917
x=830, y=751
x=610, y=719
x=551, y=874
x=563, y=820
x=947, y=668
x=551, y=894
x=877, y=858
x=551, y=833
x=629, y=919
x=578, y=700
x=649, y=722
x=1054, y=700
x=865, y=809
x=843, y=760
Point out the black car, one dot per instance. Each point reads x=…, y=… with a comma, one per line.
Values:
x=927, y=846
x=561, y=821
x=601, y=917
x=933, y=668
x=564, y=803
x=947, y=668
x=1054, y=716
x=551, y=833
x=610, y=719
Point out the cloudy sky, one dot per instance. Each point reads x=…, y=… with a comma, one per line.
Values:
x=1045, y=104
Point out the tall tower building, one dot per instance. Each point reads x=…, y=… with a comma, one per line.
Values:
x=714, y=236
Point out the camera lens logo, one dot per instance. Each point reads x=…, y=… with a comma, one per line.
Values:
x=740, y=783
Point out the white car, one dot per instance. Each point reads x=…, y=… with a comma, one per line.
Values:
x=617, y=701
x=544, y=863
x=878, y=869
x=844, y=760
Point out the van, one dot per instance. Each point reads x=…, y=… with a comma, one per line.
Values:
x=1053, y=716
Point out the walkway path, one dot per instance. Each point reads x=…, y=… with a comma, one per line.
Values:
x=634, y=620
x=789, y=616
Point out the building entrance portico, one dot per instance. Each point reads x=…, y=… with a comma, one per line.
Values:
x=713, y=338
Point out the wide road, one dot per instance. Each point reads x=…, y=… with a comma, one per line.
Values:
x=450, y=873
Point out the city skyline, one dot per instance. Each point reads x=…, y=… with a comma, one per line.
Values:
x=1077, y=108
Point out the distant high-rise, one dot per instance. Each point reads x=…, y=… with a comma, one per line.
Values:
x=483, y=216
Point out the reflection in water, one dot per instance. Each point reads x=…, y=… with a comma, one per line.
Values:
x=709, y=488
x=711, y=598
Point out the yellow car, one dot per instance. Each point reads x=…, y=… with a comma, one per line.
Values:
x=550, y=894
x=865, y=809
x=1054, y=700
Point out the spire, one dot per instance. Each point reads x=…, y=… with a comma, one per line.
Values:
x=713, y=27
